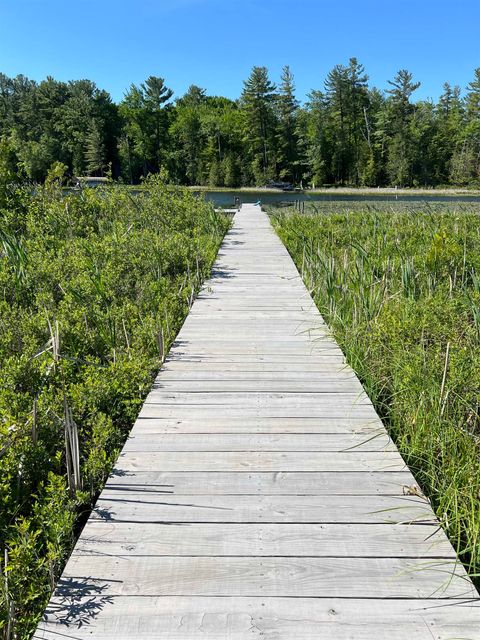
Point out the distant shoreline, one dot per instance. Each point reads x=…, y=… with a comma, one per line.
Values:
x=325, y=191
x=360, y=191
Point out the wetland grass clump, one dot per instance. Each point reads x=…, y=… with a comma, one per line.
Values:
x=93, y=289
x=400, y=289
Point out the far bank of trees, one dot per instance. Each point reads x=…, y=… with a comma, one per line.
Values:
x=347, y=133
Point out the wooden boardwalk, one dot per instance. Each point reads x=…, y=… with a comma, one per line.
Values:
x=259, y=495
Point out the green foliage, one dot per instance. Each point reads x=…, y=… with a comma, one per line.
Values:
x=347, y=133
x=56, y=175
x=401, y=291
x=145, y=116
x=258, y=98
x=346, y=113
x=7, y=170
x=95, y=155
x=287, y=130
x=89, y=283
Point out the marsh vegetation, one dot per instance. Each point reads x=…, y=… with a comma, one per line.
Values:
x=93, y=289
x=400, y=289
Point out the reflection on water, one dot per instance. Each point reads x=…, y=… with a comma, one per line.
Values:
x=227, y=198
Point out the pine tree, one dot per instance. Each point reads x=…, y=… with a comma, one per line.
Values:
x=400, y=144
x=449, y=124
x=257, y=102
x=466, y=159
x=403, y=87
x=155, y=95
x=231, y=171
x=473, y=97
x=336, y=91
x=318, y=149
x=347, y=99
x=287, y=139
x=95, y=150
x=357, y=104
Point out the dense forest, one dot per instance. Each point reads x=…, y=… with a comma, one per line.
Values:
x=347, y=133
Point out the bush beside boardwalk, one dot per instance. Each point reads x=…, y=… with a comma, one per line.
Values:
x=400, y=290
x=94, y=287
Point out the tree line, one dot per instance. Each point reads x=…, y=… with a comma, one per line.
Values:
x=347, y=133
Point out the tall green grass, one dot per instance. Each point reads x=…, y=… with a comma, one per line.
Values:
x=400, y=290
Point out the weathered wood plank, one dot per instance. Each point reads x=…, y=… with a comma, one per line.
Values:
x=229, y=375
x=309, y=326
x=261, y=366
x=307, y=540
x=157, y=506
x=262, y=461
x=295, y=316
x=249, y=576
x=255, y=424
x=93, y=615
x=203, y=386
x=396, y=483
x=160, y=441
x=275, y=352
x=241, y=338
x=205, y=411
x=253, y=399
x=240, y=358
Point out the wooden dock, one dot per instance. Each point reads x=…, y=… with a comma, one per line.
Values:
x=259, y=495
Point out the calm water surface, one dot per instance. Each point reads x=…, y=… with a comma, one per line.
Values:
x=227, y=198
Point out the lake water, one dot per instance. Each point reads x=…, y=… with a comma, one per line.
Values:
x=227, y=198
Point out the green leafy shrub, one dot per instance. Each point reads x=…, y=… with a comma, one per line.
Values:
x=91, y=284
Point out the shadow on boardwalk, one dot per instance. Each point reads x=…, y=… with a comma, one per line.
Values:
x=77, y=602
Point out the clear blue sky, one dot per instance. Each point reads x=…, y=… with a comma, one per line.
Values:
x=214, y=43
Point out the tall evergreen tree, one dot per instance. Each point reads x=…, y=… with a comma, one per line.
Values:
x=346, y=94
x=134, y=144
x=223, y=124
x=155, y=94
x=466, y=160
x=187, y=136
x=400, y=144
x=318, y=142
x=287, y=138
x=336, y=91
x=449, y=113
x=372, y=167
x=95, y=153
x=357, y=104
x=145, y=128
x=257, y=102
